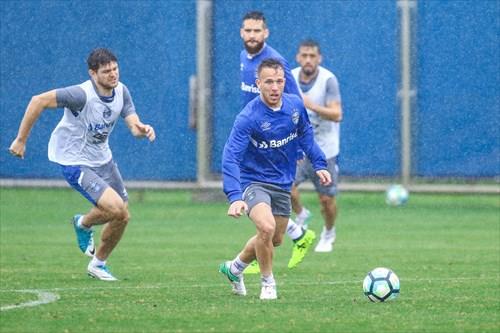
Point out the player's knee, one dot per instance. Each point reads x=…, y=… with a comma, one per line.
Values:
x=325, y=201
x=266, y=231
x=119, y=213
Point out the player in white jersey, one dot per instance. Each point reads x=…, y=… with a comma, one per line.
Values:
x=79, y=144
x=321, y=95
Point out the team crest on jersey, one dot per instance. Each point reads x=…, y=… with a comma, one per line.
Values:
x=94, y=187
x=106, y=113
x=295, y=116
x=265, y=126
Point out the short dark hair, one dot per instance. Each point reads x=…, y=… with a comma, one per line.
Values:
x=254, y=15
x=270, y=63
x=100, y=57
x=310, y=43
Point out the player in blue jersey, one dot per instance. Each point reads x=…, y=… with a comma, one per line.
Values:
x=254, y=33
x=79, y=144
x=321, y=96
x=258, y=166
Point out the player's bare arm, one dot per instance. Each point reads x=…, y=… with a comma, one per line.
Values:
x=35, y=107
x=138, y=129
x=332, y=111
x=237, y=208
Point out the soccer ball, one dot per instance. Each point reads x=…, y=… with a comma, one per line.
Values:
x=396, y=195
x=381, y=285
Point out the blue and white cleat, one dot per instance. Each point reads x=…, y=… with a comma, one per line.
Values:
x=84, y=237
x=100, y=272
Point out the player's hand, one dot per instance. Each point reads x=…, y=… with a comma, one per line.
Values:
x=17, y=148
x=146, y=130
x=237, y=208
x=324, y=177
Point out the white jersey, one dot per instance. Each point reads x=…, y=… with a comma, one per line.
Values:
x=81, y=136
x=326, y=132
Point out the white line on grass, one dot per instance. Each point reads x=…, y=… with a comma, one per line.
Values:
x=209, y=285
x=48, y=295
x=44, y=297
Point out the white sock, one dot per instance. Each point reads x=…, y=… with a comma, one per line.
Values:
x=293, y=230
x=97, y=262
x=269, y=280
x=237, y=266
x=80, y=225
x=303, y=213
x=329, y=233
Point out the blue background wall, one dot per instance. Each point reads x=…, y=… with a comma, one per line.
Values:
x=456, y=119
x=45, y=45
x=458, y=114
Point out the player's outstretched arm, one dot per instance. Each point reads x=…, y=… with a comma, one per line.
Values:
x=237, y=208
x=138, y=129
x=35, y=107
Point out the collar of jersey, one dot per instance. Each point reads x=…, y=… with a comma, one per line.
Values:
x=105, y=99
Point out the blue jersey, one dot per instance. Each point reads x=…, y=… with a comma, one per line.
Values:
x=263, y=146
x=248, y=68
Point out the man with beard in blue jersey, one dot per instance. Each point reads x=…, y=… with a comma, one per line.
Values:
x=259, y=165
x=254, y=33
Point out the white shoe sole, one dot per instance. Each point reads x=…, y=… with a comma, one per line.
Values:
x=92, y=275
x=98, y=276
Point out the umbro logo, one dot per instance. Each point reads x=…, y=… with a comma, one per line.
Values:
x=265, y=126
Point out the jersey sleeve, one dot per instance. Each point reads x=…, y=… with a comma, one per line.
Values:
x=128, y=104
x=307, y=142
x=232, y=156
x=72, y=97
x=332, y=90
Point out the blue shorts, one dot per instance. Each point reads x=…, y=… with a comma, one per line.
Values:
x=91, y=182
x=305, y=171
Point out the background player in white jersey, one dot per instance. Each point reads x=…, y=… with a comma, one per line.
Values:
x=321, y=95
x=79, y=144
x=254, y=32
x=259, y=164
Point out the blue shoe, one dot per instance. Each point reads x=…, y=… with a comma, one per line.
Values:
x=84, y=237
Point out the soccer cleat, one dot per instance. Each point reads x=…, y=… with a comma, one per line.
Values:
x=100, y=273
x=236, y=280
x=268, y=292
x=303, y=222
x=301, y=247
x=253, y=268
x=325, y=243
x=84, y=237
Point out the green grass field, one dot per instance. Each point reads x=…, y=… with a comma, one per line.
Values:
x=444, y=248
